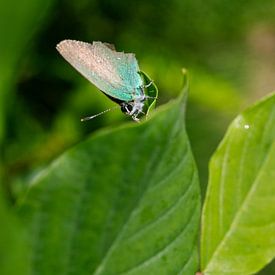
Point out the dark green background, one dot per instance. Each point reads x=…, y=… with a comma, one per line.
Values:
x=227, y=46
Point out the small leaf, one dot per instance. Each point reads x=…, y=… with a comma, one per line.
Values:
x=151, y=90
x=238, y=222
x=125, y=201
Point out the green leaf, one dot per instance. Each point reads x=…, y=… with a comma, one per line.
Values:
x=269, y=269
x=238, y=222
x=125, y=201
x=14, y=256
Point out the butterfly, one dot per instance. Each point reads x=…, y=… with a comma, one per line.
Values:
x=116, y=74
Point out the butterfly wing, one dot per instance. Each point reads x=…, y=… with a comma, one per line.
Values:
x=114, y=73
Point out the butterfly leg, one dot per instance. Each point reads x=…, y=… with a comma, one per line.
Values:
x=152, y=97
x=146, y=86
x=135, y=118
x=149, y=84
x=136, y=112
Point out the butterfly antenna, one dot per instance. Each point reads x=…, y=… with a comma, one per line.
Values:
x=99, y=114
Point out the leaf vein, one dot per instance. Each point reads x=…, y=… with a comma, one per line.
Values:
x=167, y=211
x=164, y=249
x=240, y=212
x=115, y=242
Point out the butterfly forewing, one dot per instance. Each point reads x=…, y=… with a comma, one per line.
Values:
x=115, y=73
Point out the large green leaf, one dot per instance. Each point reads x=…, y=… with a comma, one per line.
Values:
x=125, y=201
x=238, y=222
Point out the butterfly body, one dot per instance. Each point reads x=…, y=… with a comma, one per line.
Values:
x=116, y=74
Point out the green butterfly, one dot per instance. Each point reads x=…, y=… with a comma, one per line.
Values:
x=116, y=74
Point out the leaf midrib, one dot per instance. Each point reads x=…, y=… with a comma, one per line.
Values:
x=228, y=147
x=111, y=247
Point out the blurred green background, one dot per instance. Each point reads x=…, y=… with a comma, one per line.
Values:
x=227, y=46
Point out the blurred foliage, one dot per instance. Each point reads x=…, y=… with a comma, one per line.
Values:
x=228, y=47
x=17, y=26
x=42, y=98
x=14, y=252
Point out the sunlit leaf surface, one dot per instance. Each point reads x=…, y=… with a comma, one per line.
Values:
x=238, y=222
